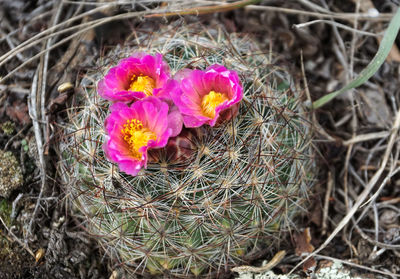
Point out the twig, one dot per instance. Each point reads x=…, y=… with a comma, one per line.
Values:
x=364, y=194
x=14, y=206
x=343, y=16
x=271, y=264
x=356, y=265
x=353, y=124
x=316, y=124
x=345, y=27
x=12, y=46
x=330, y=184
x=314, y=6
x=366, y=137
x=208, y=9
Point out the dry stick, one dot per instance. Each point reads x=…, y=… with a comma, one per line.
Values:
x=364, y=194
x=268, y=266
x=375, y=195
x=339, y=25
x=355, y=222
x=357, y=265
x=392, y=172
x=313, y=6
x=127, y=2
x=353, y=124
x=208, y=9
x=346, y=176
x=376, y=220
x=10, y=43
x=318, y=127
x=344, y=16
x=331, y=182
x=375, y=242
x=366, y=137
x=32, y=105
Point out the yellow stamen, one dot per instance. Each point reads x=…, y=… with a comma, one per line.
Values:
x=211, y=101
x=136, y=136
x=143, y=84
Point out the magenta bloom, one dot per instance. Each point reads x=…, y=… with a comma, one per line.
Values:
x=202, y=96
x=132, y=130
x=135, y=77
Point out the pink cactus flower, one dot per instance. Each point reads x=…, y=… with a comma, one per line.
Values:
x=203, y=96
x=133, y=130
x=134, y=78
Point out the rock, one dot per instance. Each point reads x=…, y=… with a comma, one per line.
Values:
x=10, y=174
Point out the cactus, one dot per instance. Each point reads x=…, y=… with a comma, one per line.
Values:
x=214, y=194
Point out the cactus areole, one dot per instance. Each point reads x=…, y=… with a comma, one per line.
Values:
x=202, y=159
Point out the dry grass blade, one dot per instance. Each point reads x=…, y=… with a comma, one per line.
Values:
x=208, y=9
x=91, y=24
x=339, y=25
x=343, y=16
x=38, y=37
x=366, y=137
x=364, y=194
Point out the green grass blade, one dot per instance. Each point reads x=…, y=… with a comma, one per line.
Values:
x=373, y=66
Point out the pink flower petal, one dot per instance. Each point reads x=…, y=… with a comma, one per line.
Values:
x=155, y=117
x=115, y=85
x=175, y=122
x=195, y=84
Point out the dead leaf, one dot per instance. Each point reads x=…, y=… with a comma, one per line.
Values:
x=18, y=112
x=304, y=247
x=375, y=107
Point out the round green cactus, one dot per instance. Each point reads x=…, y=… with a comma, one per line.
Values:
x=214, y=194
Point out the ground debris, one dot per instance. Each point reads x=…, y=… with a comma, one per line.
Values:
x=10, y=174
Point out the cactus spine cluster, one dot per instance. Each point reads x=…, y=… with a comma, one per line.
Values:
x=232, y=188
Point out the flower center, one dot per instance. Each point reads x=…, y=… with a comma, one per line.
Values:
x=143, y=84
x=211, y=101
x=136, y=136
